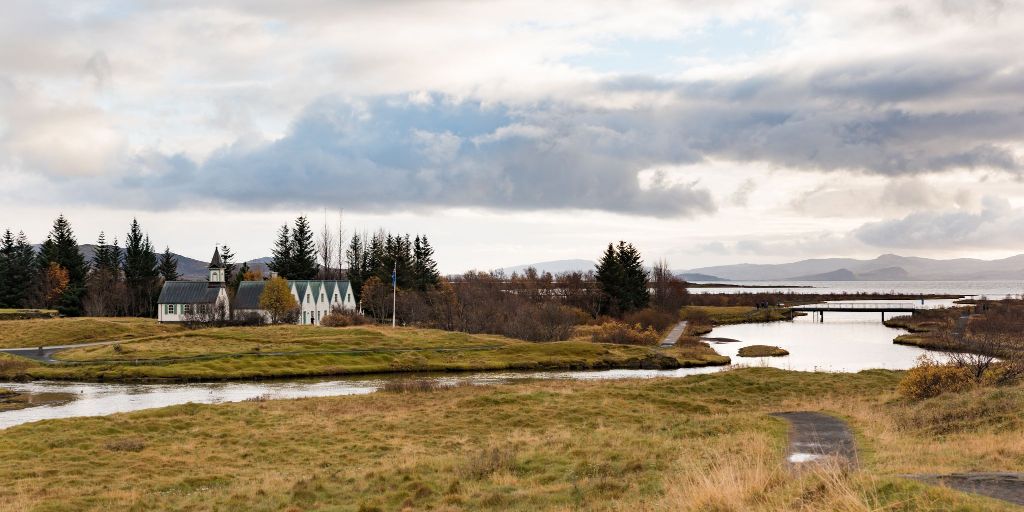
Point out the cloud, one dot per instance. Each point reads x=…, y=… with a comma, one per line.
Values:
x=996, y=224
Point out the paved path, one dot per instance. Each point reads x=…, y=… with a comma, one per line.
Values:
x=45, y=353
x=814, y=436
x=1001, y=486
x=673, y=336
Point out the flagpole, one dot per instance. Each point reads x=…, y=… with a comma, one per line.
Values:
x=394, y=293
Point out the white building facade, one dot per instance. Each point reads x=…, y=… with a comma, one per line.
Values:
x=180, y=301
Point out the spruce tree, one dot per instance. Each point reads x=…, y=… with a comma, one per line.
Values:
x=633, y=291
x=21, y=272
x=609, y=277
x=282, y=261
x=355, y=260
x=168, y=266
x=101, y=256
x=140, y=271
x=6, y=260
x=228, y=258
x=61, y=248
x=304, y=265
x=425, y=274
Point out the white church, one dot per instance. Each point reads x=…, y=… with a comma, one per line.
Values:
x=180, y=299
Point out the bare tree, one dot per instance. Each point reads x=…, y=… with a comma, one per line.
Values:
x=325, y=250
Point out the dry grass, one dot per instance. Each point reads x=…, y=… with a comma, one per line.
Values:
x=699, y=443
x=67, y=331
x=762, y=351
x=298, y=351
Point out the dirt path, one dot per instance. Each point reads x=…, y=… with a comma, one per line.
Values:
x=673, y=336
x=1001, y=486
x=816, y=437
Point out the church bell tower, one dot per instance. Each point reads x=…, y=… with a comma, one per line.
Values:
x=216, y=270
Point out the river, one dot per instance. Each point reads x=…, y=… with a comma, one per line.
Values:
x=845, y=342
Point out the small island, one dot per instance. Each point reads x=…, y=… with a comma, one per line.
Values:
x=762, y=351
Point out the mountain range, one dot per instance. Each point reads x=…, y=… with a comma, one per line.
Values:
x=190, y=269
x=888, y=267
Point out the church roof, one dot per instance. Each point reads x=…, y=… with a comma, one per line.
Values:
x=216, y=262
x=188, y=292
x=248, y=295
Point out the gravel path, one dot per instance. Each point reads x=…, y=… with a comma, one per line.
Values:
x=815, y=437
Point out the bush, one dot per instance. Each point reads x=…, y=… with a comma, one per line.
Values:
x=542, y=322
x=657, y=319
x=625, y=334
x=343, y=318
x=930, y=378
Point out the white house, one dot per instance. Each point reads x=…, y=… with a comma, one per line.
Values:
x=181, y=299
x=316, y=298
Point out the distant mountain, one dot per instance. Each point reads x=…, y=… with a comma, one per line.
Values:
x=887, y=267
x=189, y=268
x=554, y=267
x=700, y=278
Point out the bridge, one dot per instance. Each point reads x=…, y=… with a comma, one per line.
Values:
x=859, y=307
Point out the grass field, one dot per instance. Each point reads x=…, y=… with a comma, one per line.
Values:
x=699, y=443
x=702, y=319
x=297, y=351
x=67, y=331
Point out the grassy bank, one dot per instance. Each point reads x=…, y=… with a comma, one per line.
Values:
x=303, y=351
x=25, y=314
x=702, y=319
x=699, y=443
x=762, y=351
x=67, y=331
x=925, y=328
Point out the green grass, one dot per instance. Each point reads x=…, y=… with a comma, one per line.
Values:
x=302, y=351
x=699, y=443
x=67, y=331
x=762, y=351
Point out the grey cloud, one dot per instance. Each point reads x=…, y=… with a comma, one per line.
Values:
x=996, y=224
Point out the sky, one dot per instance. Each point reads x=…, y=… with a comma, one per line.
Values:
x=703, y=132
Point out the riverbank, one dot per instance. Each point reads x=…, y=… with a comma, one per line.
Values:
x=702, y=319
x=696, y=443
x=234, y=353
x=68, y=331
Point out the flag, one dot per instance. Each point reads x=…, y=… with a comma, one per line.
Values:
x=394, y=276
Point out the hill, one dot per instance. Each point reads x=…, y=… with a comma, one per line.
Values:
x=887, y=267
x=554, y=267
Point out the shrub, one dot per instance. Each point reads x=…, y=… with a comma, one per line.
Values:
x=657, y=319
x=542, y=322
x=343, y=318
x=625, y=334
x=930, y=378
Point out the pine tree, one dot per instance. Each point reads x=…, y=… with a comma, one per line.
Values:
x=228, y=258
x=21, y=272
x=609, y=276
x=168, y=266
x=425, y=274
x=304, y=265
x=140, y=271
x=633, y=291
x=61, y=248
x=355, y=260
x=6, y=263
x=282, y=263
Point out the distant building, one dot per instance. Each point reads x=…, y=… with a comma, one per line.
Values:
x=181, y=300
x=316, y=299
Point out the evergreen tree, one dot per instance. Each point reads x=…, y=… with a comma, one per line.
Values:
x=355, y=257
x=61, y=248
x=21, y=272
x=168, y=266
x=101, y=256
x=228, y=258
x=304, y=265
x=6, y=264
x=633, y=287
x=425, y=274
x=140, y=271
x=105, y=297
x=609, y=276
x=237, y=279
x=282, y=253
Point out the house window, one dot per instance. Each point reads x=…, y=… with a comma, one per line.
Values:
x=187, y=309
x=169, y=309
x=308, y=298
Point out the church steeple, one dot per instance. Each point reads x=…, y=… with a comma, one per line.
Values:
x=216, y=269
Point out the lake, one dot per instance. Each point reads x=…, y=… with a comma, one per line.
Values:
x=990, y=289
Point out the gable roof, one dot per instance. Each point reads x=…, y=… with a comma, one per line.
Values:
x=188, y=292
x=248, y=295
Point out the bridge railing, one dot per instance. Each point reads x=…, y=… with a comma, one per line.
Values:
x=854, y=306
